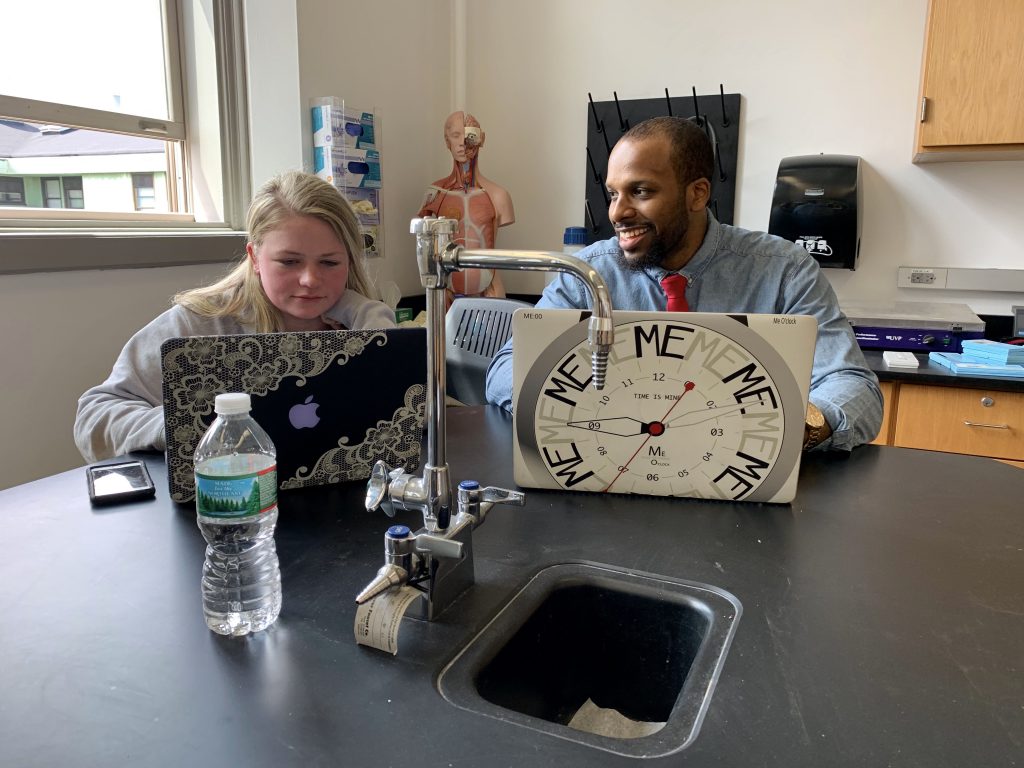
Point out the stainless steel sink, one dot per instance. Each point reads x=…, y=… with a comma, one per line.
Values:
x=647, y=646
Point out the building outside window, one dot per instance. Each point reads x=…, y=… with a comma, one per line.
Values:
x=98, y=169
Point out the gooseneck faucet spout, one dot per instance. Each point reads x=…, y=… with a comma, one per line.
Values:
x=600, y=331
x=422, y=559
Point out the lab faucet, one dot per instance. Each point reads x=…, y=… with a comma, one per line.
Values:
x=438, y=558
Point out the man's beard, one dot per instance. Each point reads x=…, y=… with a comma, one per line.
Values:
x=656, y=255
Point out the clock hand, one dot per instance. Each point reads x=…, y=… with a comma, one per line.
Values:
x=696, y=417
x=688, y=386
x=622, y=426
x=626, y=426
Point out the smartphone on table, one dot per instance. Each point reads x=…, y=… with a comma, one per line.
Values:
x=119, y=482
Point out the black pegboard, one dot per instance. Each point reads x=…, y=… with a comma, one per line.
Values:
x=718, y=113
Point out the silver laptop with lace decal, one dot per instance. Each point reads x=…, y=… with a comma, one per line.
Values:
x=334, y=402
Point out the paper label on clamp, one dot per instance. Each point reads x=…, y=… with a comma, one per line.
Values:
x=378, y=620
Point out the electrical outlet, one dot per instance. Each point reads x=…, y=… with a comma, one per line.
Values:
x=922, y=277
x=929, y=278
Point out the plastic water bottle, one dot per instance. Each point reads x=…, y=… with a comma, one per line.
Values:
x=236, y=505
x=574, y=240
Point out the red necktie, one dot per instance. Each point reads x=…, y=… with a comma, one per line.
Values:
x=674, y=286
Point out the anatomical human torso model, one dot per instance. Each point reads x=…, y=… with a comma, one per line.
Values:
x=477, y=203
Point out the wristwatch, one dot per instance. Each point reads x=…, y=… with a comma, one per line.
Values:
x=816, y=428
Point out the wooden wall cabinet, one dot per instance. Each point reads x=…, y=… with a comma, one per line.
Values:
x=972, y=82
x=978, y=422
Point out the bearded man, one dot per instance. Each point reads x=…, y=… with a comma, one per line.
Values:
x=670, y=248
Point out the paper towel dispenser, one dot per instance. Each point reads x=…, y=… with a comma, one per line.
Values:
x=817, y=205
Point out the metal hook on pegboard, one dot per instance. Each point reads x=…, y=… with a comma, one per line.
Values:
x=623, y=124
x=593, y=110
x=593, y=168
x=594, y=227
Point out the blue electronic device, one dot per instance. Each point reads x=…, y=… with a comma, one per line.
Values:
x=913, y=325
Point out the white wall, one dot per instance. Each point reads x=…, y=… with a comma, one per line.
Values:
x=815, y=76
x=62, y=332
x=275, y=109
x=394, y=57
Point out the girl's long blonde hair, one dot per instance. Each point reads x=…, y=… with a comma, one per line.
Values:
x=239, y=294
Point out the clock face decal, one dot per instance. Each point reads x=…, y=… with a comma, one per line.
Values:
x=697, y=404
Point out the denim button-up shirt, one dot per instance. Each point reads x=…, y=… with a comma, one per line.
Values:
x=735, y=270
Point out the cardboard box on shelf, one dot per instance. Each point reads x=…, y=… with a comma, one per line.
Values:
x=337, y=124
x=345, y=167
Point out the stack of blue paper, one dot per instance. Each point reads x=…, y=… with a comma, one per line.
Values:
x=986, y=351
x=973, y=366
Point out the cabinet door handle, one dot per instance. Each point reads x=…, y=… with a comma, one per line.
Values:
x=987, y=426
x=924, y=108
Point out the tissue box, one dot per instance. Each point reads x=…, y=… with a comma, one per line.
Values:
x=336, y=124
x=345, y=167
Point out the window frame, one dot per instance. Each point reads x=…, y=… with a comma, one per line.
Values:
x=44, y=186
x=21, y=183
x=73, y=239
x=75, y=187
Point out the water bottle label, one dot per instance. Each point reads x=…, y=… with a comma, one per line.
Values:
x=236, y=495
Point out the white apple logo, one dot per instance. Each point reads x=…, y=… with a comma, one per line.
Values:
x=303, y=416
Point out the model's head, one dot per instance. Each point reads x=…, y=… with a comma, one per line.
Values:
x=659, y=184
x=463, y=136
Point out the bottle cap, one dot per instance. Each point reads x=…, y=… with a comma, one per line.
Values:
x=232, y=402
x=575, y=236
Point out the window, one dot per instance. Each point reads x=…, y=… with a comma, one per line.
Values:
x=12, y=191
x=121, y=112
x=52, y=195
x=63, y=192
x=145, y=194
x=73, y=192
x=107, y=148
